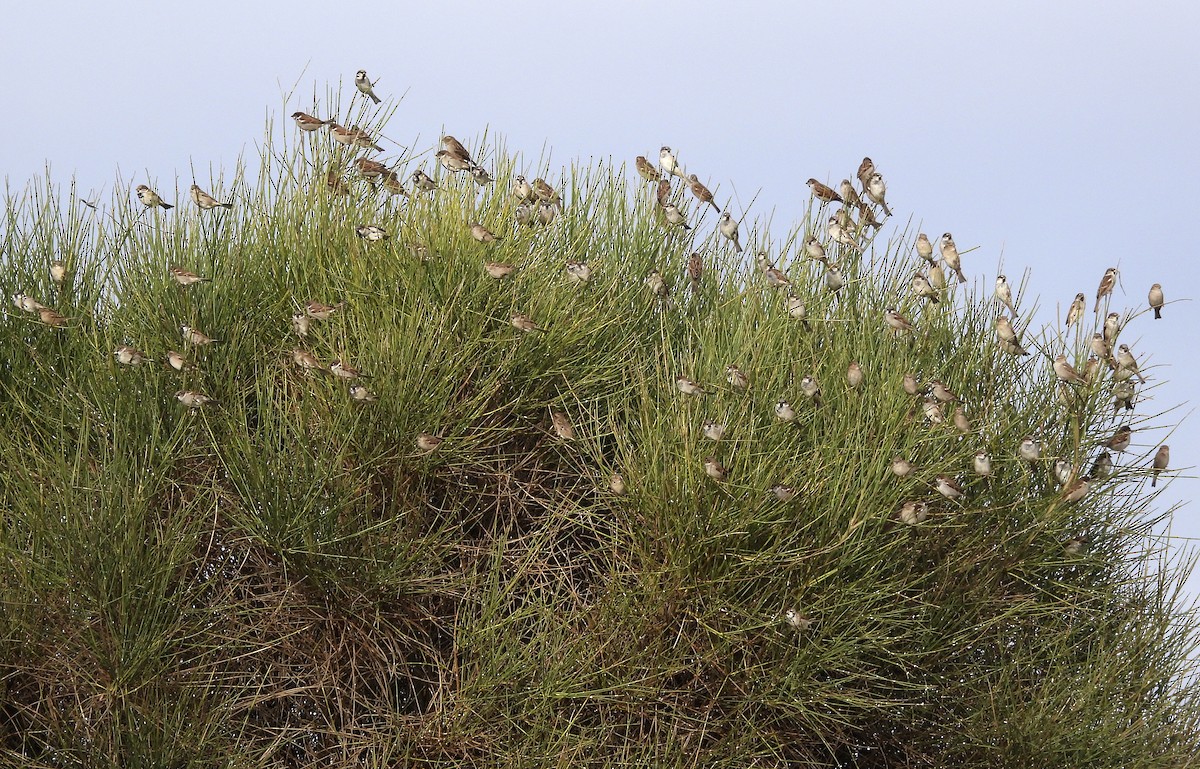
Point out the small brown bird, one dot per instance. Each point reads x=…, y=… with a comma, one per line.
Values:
x=454, y=147
x=737, y=378
x=522, y=322
x=483, y=234
x=1005, y=330
x=1107, y=283
x=371, y=232
x=941, y=392
x=865, y=169
x=701, y=192
x=150, y=198
x=714, y=469
x=1123, y=393
x=924, y=289
x=1162, y=458
x=848, y=193
x=948, y=487
x=392, y=183
x=1066, y=372
x=1156, y=300
x=783, y=493
x=1076, y=490
x=562, y=425
x=654, y=281
x=422, y=182
x=335, y=182
x=1126, y=363
x=353, y=137
x=1120, y=439
x=498, y=270
x=365, y=86
x=854, y=376
x=1076, y=310
x=58, y=271
x=185, y=277
x=645, y=170
x=713, y=430
x=1004, y=294
x=897, y=322
x=307, y=122
x=924, y=247
x=427, y=442
x=931, y=408
x=545, y=192
x=306, y=360
x=982, y=464
x=196, y=337
x=177, y=361
x=193, y=399
x=301, y=324
x=951, y=258
x=728, y=227
x=876, y=191
x=824, y=192
x=522, y=190
x=663, y=193
x=695, y=271
x=814, y=250
x=320, y=311
x=674, y=216
x=668, y=163
x=370, y=169
x=1112, y=327
x=1103, y=466
x=343, y=370
x=901, y=467
x=130, y=356
x=546, y=211
x=616, y=484
x=1029, y=449
x=205, y=201
x=452, y=162
x=784, y=411
x=361, y=394
x=912, y=513
x=578, y=271
x=688, y=386
x=811, y=390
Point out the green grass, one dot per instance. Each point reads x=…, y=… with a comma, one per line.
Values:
x=282, y=579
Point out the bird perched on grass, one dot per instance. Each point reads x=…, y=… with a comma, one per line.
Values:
x=1156, y=300
x=186, y=277
x=365, y=86
x=1107, y=283
x=151, y=199
x=729, y=229
x=645, y=170
x=951, y=258
x=205, y=201
x=701, y=192
x=307, y=122
x=823, y=192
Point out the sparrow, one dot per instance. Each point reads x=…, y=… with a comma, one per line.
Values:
x=420, y=251
x=834, y=279
x=371, y=232
x=454, y=147
x=922, y=288
x=523, y=213
x=58, y=271
x=668, y=163
x=876, y=190
x=811, y=390
x=1005, y=330
x=498, y=270
x=1126, y=361
x=797, y=310
x=897, y=322
x=616, y=484
x=452, y=162
x=728, y=227
x=982, y=464
x=924, y=247
x=737, y=379
x=783, y=493
x=427, y=442
x=365, y=85
x=1066, y=372
x=784, y=411
x=370, y=169
x=334, y=181
x=901, y=467
x=814, y=250
x=1156, y=300
x=913, y=512
x=1091, y=369
x=130, y=356
x=1064, y=473
x=1076, y=491
x=562, y=425
x=307, y=122
x=713, y=430
x=1112, y=327
x=654, y=281
x=951, y=258
x=1004, y=294
x=392, y=183
x=315, y=309
x=714, y=469
x=1162, y=458
x=663, y=193
x=910, y=385
x=205, y=201
x=1106, y=286
x=848, y=193
x=688, y=386
x=961, y=423
x=177, y=361
x=838, y=233
x=185, y=277
x=701, y=192
x=823, y=192
x=854, y=375
x=578, y=272
x=343, y=370
x=193, y=399
x=937, y=277
x=1100, y=347
x=1076, y=310
x=1103, y=466
x=776, y=278
x=353, y=137
x=865, y=170
x=645, y=170
x=195, y=337
x=150, y=198
x=522, y=322
x=422, y=182
x=545, y=192
x=1029, y=449
x=1076, y=546
x=546, y=212
x=483, y=234
x=362, y=394
x=1123, y=393
x=948, y=487
x=695, y=271
x=306, y=360
x=674, y=216
x=932, y=409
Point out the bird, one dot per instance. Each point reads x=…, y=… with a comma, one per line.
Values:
x=645, y=170
x=784, y=411
x=365, y=85
x=616, y=484
x=422, y=182
x=546, y=211
x=306, y=360
x=1120, y=439
x=714, y=469
x=848, y=193
x=814, y=250
x=951, y=258
x=371, y=232
x=562, y=425
x=1029, y=449
x=797, y=309
x=1064, y=472
x=897, y=322
x=1100, y=347
x=392, y=183
x=307, y=122
x=370, y=169
x=186, y=277
x=912, y=512
x=427, y=442
x=58, y=271
x=854, y=375
x=1004, y=293
x=150, y=198
x=1162, y=458
x=775, y=277
x=838, y=233
x=824, y=192
x=901, y=467
x=1066, y=372
x=198, y=338
x=654, y=281
x=498, y=270
x=483, y=234
x=931, y=408
x=811, y=390
x=1076, y=546
x=783, y=493
x=876, y=190
x=1111, y=328
x=361, y=394
x=729, y=228
x=937, y=277
x=941, y=392
x=205, y=201
x=1156, y=300
x=668, y=163
x=193, y=399
x=130, y=356
x=713, y=430
x=334, y=181
x=982, y=464
x=674, y=216
x=522, y=322
x=922, y=288
x=688, y=386
x=545, y=192
x=1126, y=362
x=523, y=213
x=176, y=361
x=352, y=137
x=1103, y=465
x=343, y=370
x=1123, y=394
x=865, y=170
x=452, y=162
x=924, y=247
x=737, y=378
x=455, y=147
x=1076, y=310
x=1005, y=330
x=663, y=193
x=909, y=383
x=321, y=311
x=701, y=192
x=948, y=487
x=578, y=271
x=1107, y=283
x=695, y=271
x=834, y=279
x=1076, y=490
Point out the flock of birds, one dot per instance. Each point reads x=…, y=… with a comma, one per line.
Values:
x=539, y=203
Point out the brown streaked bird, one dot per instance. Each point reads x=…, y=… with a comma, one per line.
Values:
x=1005, y=330
x=522, y=322
x=688, y=386
x=848, y=193
x=301, y=323
x=483, y=234
x=961, y=423
x=353, y=137
x=522, y=190
x=695, y=271
x=422, y=182
x=371, y=232
x=321, y=311
x=1100, y=348
x=982, y=464
x=1066, y=372
x=194, y=399
x=1090, y=369
x=343, y=370
x=912, y=512
x=901, y=467
x=452, y=162
x=1156, y=300
x=306, y=360
x=924, y=247
x=897, y=322
x=616, y=484
x=811, y=390
x=728, y=227
x=909, y=383
x=1126, y=362
x=205, y=201
x=1076, y=310
x=130, y=356
x=948, y=487
x=361, y=394
x=58, y=271
x=814, y=250
x=1029, y=449
x=1123, y=393
x=941, y=392
x=784, y=411
x=1112, y=327
x=645, y=170
x=176, y=361
x=824, y=192
x=365, y=86
x=307, y=122
x=546, y=211
x=455, y=148
x=835, y=279
x=932, y=411
x=924, y=289
x=701, y=192
x=663, y=193
x=877, y=190
x=937, y=277
x=1103, y=466
x=1107, y=283
x=523, y=213
x=150, y=198
x=1162, y=459
x=498, y=270
x=865, y=169
x=714, y=469
x=713, y=430
x=427, y=442
x=775, y=277
x=186, y=277
x=1076, y=490
x=737, y=378
x=578, y=271
x=196, y=337
x=370, y=169
x=839, y=233
x=674, y=216
x=654, y=281
x=798, y=310
x=562, y=425
x=392, y=183
x=854, y=375
x=951, y=258
x=335, y=182
x=545, y=192
x=1120, y=439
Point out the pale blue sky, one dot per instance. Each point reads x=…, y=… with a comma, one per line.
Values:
x=1058, y=136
